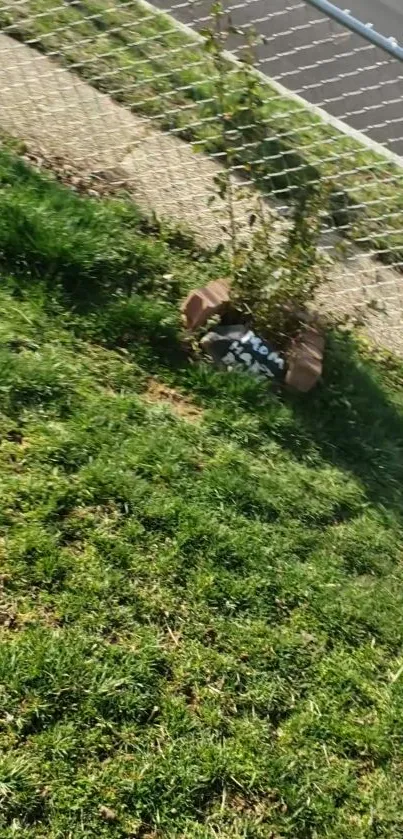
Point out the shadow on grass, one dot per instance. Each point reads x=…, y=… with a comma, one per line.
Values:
x=353, y=420
x=89, y=254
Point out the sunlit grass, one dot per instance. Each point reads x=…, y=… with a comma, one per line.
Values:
x=201, y=622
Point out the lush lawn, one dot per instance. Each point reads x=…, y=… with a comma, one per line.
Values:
x=147, y=64
x=201, y=615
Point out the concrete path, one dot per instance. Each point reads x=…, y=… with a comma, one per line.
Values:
x=59, y=116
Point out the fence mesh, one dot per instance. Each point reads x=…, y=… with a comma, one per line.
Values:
x=130, y=94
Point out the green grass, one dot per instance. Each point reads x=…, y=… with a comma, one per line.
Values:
x=143, y=61
x=201, y=623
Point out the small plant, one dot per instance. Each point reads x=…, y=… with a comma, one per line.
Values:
x=277, y=272
x=278, y=266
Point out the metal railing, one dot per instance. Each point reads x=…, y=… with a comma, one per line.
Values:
x=127, y=93
x=366, y=30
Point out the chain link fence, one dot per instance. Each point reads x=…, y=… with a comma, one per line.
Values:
x=126, y=93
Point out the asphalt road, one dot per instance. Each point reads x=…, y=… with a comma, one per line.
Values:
x=385, y=15
x=320, y=60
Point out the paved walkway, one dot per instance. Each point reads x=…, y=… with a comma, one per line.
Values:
x=58, y=115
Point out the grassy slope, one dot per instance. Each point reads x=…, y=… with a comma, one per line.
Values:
x=201, y=623
x=143, y=61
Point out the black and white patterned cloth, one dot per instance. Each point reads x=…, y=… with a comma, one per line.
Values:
x=239, y=348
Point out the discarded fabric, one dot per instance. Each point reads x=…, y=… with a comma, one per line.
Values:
x=239, y=348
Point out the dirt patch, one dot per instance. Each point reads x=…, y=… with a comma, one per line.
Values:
x=94, y=184
x=158, y=393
